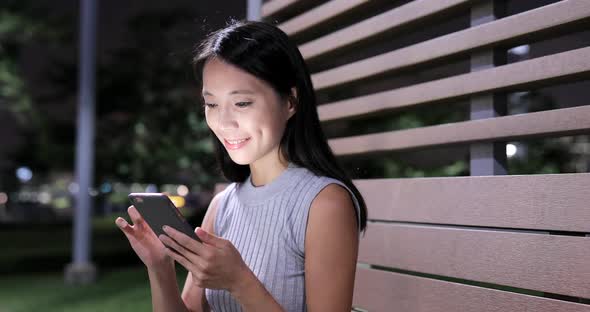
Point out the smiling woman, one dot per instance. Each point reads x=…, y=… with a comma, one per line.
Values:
x=250, y=123
x=286, y=231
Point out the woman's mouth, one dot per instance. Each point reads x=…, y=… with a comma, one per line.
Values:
x=235, y=144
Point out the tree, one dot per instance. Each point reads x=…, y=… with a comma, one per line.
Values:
x=21, y=23
x=150, y=125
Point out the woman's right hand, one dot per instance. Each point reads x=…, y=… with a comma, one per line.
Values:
x=144, y=241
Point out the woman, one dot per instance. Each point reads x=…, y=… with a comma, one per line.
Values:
x=284, y=236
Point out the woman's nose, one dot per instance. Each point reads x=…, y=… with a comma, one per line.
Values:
x=227, y=119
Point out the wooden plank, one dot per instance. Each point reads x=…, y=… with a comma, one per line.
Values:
x=387, y=291
x=396, y=18
x=549, y=263
x=319, y=14
x=556, y=202
x=283, y=8
x=546, y=202
x=518, y=75
x=274, y=6
x=558, y=122
x=496, y=32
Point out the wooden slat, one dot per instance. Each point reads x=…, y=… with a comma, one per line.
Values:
x=274, y=6
x=378, y=291
x=546, y=202
x=319, y=14
x=521, y=74
x=558, y=122
x=558, y=202
x=497, y=32
x=542, y=262
x=395, y=18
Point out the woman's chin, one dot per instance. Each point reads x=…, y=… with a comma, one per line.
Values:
x=240, y=160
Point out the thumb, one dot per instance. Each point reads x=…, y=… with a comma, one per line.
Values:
x=209, y=238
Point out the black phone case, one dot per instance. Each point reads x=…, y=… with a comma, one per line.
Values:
x=157, y=210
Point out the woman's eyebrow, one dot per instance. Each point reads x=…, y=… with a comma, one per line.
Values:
x=232, y=92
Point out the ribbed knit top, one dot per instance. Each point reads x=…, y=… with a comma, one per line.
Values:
x=267, y=225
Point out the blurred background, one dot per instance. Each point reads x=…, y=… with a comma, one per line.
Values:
x=150, y=136
x=150, y=133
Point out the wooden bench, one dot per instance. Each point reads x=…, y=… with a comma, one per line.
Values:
x=497, y=243
x=485, y=242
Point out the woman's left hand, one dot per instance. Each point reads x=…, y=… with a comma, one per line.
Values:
x=215, y=263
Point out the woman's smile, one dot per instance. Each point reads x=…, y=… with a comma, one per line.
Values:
x=235, y=144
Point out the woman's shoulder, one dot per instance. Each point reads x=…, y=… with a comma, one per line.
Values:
x=217, y=207
x=220, y=191
x=221, y=197
x=321, y=182
x=322, y=188
x=336, y=193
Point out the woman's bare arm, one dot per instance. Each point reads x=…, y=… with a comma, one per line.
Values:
x=164, y=289
x=331, y=249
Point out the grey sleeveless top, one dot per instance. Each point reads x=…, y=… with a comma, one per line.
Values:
x=267, y=225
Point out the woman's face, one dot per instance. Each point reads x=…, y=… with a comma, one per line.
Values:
x=244, y=112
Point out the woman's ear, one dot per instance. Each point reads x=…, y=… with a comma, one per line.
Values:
x=292, y=102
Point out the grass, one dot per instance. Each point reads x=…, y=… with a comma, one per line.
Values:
x=33, y=258
x=125, y=289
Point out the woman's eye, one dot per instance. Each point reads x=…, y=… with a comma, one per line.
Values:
x=243, y=104
x=238, y=104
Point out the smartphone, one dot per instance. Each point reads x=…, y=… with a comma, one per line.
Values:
x=158, y=210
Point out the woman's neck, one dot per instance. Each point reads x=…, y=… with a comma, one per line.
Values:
x=265, y=170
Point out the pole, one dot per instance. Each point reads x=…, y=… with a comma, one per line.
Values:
x=81, y=270
x=254, y=10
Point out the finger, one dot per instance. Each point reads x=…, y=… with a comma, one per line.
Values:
x=170, y=243
x=188, y=253
x=195, y=258
x=179, y=258
x=183, y=239
x=134, y=215
x=210, y=238
x=124, y=226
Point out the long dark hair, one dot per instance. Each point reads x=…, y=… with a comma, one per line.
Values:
x=266, y=52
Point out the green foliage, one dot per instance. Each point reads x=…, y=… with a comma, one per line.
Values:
x=544, y=157
x=15, y=30
x=23, y=23
x=149, y=124
x=150, y=127
x=29, y=248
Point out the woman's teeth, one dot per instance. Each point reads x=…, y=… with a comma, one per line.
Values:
x=236, y=141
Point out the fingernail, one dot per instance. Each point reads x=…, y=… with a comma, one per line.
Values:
x=165, y=228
